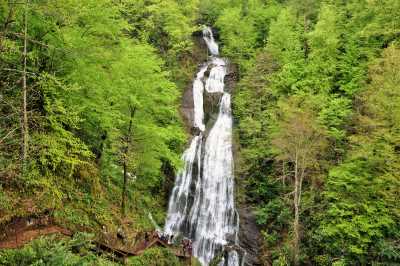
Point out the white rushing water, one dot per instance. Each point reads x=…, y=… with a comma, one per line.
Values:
x=198, y=89
x=178, y=203
x=209, y=39
x=201, y=205
x=215, y=82
x=216, y=217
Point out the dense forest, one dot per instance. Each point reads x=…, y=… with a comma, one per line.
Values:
x=92, y=130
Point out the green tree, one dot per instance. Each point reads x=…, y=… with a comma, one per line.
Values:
x=238, y=38
x=299, y=141
x=361, y=222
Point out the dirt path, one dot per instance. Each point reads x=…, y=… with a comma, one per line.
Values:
x=22, y=230
x=20, y=238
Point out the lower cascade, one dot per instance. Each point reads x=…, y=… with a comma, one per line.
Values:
x=201, y=205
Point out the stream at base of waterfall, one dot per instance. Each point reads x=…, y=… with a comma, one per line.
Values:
x=202, y=205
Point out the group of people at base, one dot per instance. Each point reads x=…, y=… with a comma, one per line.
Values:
x=186, y=244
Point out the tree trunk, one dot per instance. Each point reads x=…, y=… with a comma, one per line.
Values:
x=124, y=189
x=128, y=139
x=296, y=213
x=24, y=123
x=283, y=173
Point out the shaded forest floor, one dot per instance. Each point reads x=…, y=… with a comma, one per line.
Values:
x=22, y=230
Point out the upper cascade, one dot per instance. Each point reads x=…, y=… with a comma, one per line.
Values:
x=209, y=39
x=198, y=89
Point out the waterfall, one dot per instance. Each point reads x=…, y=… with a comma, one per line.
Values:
x=201, y=205
x=209, y=39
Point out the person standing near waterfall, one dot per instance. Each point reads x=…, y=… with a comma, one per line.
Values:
x=146, y=239
x=184, y=246
x=190, y=247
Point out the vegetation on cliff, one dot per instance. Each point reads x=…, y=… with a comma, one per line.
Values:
x=89, y=101
x=317, y=125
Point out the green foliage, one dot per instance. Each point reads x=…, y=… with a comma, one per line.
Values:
x=241, y=40
x=359, y=218
x=276, y=212
x=89, y=64
x=58, y=150
x=287, y=49
x=52, y=251
x=281, y=261
x=335, y=115
x=362, y=219
x=4, y=200
x=252, y=104
x=238, y=37
x=3, y=11
x=155, y=257
x=166, y=24
x=323, y=42
x=284, y=42
x=211, y=10
x=315, y=58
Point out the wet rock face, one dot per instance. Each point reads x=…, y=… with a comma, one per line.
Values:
x=249, y=236
x=211, y=107
x=231, y=77
x=198, y=56
x=188, y=106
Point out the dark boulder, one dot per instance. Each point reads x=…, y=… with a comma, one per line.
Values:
x=249, y=236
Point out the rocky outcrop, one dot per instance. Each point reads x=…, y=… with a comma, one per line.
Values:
x=249, y=235
x=188, y=106
x=199, y=55
x=231, y=78
x=211, y=107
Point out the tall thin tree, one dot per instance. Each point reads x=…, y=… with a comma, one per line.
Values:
x=24, y=113
x=128, y=141
x=300, y=141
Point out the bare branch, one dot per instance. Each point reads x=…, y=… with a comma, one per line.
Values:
x=19, y=71
x=19, y=35
x=8, y=134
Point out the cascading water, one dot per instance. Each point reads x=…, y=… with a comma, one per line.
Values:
x=215, y=82
x=201, y=205
x=209, y=39
x=198, y=89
